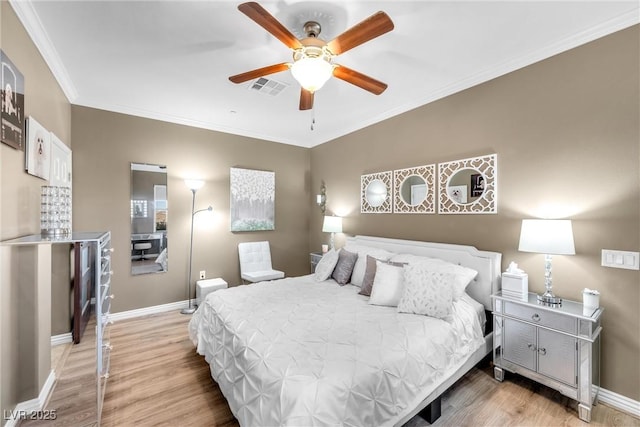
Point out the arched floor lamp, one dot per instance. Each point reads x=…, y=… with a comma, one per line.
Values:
x=194, y=185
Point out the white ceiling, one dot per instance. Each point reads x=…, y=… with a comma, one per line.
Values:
x=170, y=60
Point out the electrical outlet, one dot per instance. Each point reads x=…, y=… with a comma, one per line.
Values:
x=203, y=274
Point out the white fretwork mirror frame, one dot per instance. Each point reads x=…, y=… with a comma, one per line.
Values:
x=487, y=203
x=428, y=205
x=365, y=180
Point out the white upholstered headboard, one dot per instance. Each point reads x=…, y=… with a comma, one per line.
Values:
x=487, y=264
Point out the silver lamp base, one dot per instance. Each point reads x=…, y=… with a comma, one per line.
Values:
x=550, y=300
x=188, y=310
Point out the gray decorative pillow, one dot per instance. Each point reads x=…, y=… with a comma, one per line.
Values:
x=361, y=263
x=326, y=265
x=427, y=292
x=344, y=267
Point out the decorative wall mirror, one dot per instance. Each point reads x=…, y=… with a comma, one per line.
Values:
x=468, y=186
x=414, y=190
x=375, y=192
x=149, y=215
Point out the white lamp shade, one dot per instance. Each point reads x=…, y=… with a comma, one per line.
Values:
x=311, y=73
x=194, y=184
x=547, y=236
x=332, y=224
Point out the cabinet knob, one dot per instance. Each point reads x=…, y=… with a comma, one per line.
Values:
x=536, y=317
x=531, y=347
x=542, y=351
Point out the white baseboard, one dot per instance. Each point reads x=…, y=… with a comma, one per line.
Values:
x=61, y=339
x=130, y=314
x=149, y=310
x=24, y=408
x=619, y=402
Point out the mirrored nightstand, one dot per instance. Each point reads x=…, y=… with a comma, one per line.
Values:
x=314, y=258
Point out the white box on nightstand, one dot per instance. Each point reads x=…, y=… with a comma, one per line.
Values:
x=206, y=286
x=515, y=285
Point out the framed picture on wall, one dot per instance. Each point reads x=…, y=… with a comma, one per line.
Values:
x=12, y=94
x=253, y=194
x=38, y=153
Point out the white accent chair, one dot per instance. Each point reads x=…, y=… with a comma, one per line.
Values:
x=255, y=262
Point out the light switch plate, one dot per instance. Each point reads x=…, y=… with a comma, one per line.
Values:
x=621, y=259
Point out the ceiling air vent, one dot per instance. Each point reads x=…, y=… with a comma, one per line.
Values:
x=269, y=87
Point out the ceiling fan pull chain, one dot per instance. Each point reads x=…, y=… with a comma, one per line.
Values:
x=313, y=116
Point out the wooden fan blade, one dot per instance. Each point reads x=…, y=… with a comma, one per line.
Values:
x=372, y=27
x=306, y=99
x=260, y=72
x=361, y=80
x=263, y=18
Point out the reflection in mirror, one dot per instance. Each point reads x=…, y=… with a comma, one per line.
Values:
x=465, y=186
x=468, y=186
x=149, y=214
x=376, y=193
x=414, y=190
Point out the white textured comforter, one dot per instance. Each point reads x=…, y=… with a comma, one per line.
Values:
x=297, y=352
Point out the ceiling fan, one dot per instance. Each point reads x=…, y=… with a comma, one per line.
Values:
x=312, y=57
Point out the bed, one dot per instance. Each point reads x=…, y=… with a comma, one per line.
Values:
x=299, y=351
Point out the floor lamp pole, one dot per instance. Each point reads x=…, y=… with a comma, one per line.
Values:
x=190, y=309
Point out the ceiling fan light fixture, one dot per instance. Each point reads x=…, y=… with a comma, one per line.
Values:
x=312, y=73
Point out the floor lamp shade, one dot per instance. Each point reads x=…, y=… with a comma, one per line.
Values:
x=194, y=184
x=548, y=237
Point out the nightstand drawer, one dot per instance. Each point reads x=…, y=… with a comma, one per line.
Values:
x=542, y=317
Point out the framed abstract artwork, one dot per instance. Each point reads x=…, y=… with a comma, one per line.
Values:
x=252, y=200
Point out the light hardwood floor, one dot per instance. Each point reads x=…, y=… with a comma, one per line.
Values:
x=157, y=379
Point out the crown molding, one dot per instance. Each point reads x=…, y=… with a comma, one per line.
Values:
x=32, y=24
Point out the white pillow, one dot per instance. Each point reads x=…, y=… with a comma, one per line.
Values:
x=426, y=292
x=388, y=285
x=463, y=275
x=361, y=263
x=325, y=266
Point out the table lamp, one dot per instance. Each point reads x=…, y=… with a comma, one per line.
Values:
x=333, y=225
x=548, y=237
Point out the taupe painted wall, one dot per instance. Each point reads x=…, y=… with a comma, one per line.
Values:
x=106, y=143
x=24, y=304
x=566, y=134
